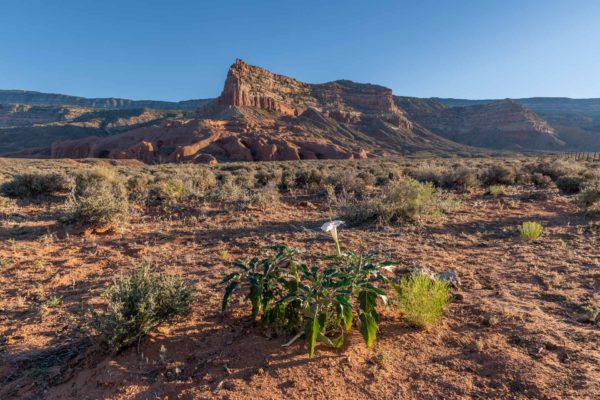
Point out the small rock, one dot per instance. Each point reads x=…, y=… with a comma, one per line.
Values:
x=451, y=277
x=423, y=271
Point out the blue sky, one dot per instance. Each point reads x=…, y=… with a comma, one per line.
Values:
x=176, y=49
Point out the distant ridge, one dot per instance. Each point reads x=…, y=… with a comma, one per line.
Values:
x=265, y=116
x=39, y=98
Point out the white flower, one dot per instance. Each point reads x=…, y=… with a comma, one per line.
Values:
x=331, y=225
x=389, y=268
x=384, y=298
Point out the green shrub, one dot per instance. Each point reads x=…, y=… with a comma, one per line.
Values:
x=422, y=300
x=530, y=230
x=137, y=303
x=99, y=199
x=36, y=184
x=590, y=198
x=404, y=200
x=495, y=190
x=570, y=184
x=166, y=189
x=320, y=301
x=498, y=175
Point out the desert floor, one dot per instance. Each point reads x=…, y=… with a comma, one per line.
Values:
x=516, y=328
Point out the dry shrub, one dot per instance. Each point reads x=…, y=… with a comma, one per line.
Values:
x=405, y=200
x=498, y=175
x=99, y=199
x=37, y=184
x=590, y=198
x=137, y=303
x=265, y=198
x=571, y=184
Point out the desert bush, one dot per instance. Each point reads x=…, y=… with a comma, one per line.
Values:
x=530, y=230
x=427, y=173
x=345, y=181
x=310, y=179
x=557, y=168
x=422, y=300
x=590, y=198
x=498, y=175
x=166, y=190
x=321, y=301
x=541, y=180
x=268, y=177
x=36, y=184
x=137, y=303
x=462, y=179
x=570, y=184
x=138, y=187
x=99, y=199
x=405, y=200
x=265, y=198
x=495, y=190
x=228, y=192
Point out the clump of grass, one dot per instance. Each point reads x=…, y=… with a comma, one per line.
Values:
x=99, y=199
x=404, y=200
x=496, y=190
x=53, y=302
x=530, y=230
x=137, y=303
x=422, y=300
x=37, y=184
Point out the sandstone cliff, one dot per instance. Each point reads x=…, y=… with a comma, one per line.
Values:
x=503, y=124
x=262, y=116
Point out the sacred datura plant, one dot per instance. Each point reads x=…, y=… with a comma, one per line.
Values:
x=321, y=302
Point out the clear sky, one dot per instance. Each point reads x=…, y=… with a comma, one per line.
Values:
x=177, y=49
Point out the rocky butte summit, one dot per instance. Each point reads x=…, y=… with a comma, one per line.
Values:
x=262, y=116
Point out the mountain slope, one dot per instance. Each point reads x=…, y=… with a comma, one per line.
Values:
x=30, y=126
x=502, y=124
x=576, y=122
x=264, y=116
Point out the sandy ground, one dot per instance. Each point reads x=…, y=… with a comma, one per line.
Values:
x=516, y=329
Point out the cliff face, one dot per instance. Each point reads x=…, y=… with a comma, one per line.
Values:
x=262, y=116
x=502, y=124
x=345, y=101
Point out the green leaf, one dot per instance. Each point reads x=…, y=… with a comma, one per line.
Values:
x=338, y=341
x=255, y=298
x=368, y=328
x=230, y=276
x=311, y=332
x=324, y=339
x=240, y=265
x=347, y=316
x=367, y=300
x=228, y=290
